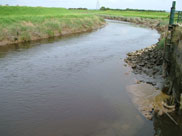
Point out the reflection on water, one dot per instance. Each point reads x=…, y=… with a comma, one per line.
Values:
x=4, y=50
x=74, y=86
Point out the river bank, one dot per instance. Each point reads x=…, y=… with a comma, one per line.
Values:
x=148, y=60
x=146, y=93
x=157, y=24
x=24, y=24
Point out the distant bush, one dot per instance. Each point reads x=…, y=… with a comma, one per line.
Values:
x=104, y=8
x=145, y=10
x=78, y=9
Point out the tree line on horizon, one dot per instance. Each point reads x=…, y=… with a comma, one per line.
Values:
x=128, y=9
x=106, y=8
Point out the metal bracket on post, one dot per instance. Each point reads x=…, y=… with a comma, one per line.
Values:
x=172, y=14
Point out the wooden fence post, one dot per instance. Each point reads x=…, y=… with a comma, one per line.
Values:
x=172, y=14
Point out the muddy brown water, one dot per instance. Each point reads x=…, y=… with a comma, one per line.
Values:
x=73, y=86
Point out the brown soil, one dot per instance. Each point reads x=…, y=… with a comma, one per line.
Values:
x=150, y=23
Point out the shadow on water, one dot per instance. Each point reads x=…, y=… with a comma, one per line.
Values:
x=27, y=45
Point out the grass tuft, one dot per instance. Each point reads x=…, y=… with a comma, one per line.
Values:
x=161, y=43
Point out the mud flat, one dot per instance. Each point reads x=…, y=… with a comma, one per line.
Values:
x=143, y=97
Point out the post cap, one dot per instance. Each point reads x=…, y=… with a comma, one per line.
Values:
x=174, y=3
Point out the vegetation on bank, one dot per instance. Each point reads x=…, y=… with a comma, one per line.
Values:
x=20, y=24
x=150, y=18
x=161, y=43
x=129, y=13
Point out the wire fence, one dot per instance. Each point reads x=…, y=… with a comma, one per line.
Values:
x=175, y=16
x=179, y=16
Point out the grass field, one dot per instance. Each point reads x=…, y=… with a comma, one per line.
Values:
x=141, y=14
x=19, y=24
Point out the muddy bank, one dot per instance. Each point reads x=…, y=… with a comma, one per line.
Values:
x=163, y=104
x=150, y=23
x=152, y=103
x=146, y=92
x=147, y=61
x=144, y=100
x=28, y=31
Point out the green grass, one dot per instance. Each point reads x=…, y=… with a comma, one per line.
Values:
x=10, y=14
x=163, y=17
x=142, y=14
x=161, y=44
x=28, y=23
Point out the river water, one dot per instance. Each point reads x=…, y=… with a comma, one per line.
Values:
x=73, y=86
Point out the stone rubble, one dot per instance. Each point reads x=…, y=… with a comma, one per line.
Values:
x=148, y=61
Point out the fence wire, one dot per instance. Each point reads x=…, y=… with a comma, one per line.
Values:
x=179, y=16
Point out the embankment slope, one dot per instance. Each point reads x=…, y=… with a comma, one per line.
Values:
x=22, y=24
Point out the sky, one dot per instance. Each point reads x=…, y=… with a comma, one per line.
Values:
x=91, y=4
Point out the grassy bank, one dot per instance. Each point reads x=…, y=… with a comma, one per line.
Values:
x=146, y=18
x=126, y=13
x=21, y=24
